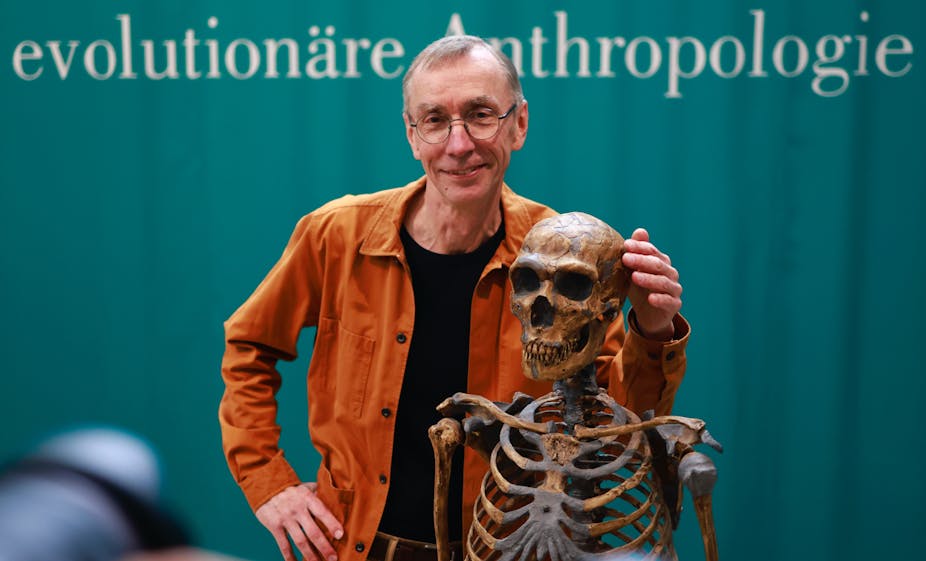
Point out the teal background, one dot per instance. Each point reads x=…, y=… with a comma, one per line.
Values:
x=136, y=215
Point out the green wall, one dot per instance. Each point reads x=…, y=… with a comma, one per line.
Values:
x=137, y=212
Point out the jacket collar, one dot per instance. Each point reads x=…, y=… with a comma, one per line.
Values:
x=382, y=237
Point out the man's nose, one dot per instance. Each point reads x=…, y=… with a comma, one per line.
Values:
x=459, y=140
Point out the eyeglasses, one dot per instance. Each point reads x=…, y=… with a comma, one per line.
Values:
x=480, y=124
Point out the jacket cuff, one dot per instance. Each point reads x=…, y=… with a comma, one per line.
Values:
x=682, y=330
x=660, y=366
x=266, y=482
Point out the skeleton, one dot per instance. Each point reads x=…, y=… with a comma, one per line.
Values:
x=572, y=474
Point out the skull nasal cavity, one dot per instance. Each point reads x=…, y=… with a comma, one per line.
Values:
x=541, y=312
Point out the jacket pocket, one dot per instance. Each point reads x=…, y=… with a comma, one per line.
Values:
x=344, y=360
x=338, y=501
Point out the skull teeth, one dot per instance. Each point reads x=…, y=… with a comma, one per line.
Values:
x=549, y=354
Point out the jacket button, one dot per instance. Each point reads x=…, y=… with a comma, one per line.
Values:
x=401, y=338
x=382, y=479
x=359, y=547
x=385, y=411
x=670, y=355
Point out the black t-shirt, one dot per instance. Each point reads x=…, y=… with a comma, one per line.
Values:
x=437, y=367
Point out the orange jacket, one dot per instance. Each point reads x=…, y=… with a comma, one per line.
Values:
x=344, y=271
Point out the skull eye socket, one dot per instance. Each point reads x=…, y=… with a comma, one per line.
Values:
x=524, y=280
x=574, y=286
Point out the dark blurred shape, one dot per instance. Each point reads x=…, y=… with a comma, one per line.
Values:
x=88, y=495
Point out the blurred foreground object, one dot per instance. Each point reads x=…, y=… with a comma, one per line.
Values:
x=179, y=554
x=89, y=494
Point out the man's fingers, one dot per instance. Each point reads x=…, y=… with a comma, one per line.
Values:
x=657, y=283
x=270, y=516
x=650, y=265
x=316, y=537
x=655, y=292
x=279, y=535
x=296, y=517
x=671, y=304
x=306, y=536
x=637, y=255
x=321, y=514
x=640, y=234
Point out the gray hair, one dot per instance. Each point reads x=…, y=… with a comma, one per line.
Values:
x=452, y=48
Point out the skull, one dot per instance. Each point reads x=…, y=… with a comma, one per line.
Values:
x=568, y=284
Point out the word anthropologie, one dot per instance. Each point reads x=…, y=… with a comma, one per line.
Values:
x=327, y=55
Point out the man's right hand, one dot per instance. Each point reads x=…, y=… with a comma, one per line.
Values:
x=297, y=514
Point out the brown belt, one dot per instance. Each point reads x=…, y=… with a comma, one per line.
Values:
x=391, y=548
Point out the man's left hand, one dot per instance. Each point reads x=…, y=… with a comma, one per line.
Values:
x=655, y=293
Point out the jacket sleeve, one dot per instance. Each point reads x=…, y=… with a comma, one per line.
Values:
x=640, y=373
x=261, y=332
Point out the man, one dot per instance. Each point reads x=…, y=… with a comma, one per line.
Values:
x=408, y=290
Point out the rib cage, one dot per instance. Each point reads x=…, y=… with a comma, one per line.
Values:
x=553, y=497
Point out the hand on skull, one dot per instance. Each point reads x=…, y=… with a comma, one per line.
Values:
x=655, y=293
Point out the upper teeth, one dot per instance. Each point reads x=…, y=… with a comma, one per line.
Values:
x=463, y=171
x=549, y=354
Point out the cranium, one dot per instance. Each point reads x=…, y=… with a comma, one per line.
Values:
x=568, y=284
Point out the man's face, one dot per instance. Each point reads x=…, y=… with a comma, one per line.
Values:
x=462, y=169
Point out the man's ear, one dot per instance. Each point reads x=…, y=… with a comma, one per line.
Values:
x=411, y=136
x=520, y=126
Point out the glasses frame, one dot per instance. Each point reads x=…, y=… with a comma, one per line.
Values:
x=465, y=127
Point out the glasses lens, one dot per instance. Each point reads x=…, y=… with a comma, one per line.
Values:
x=433, y=128
x=482, y=124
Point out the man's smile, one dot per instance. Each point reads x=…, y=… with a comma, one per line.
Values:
x=463, y=172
